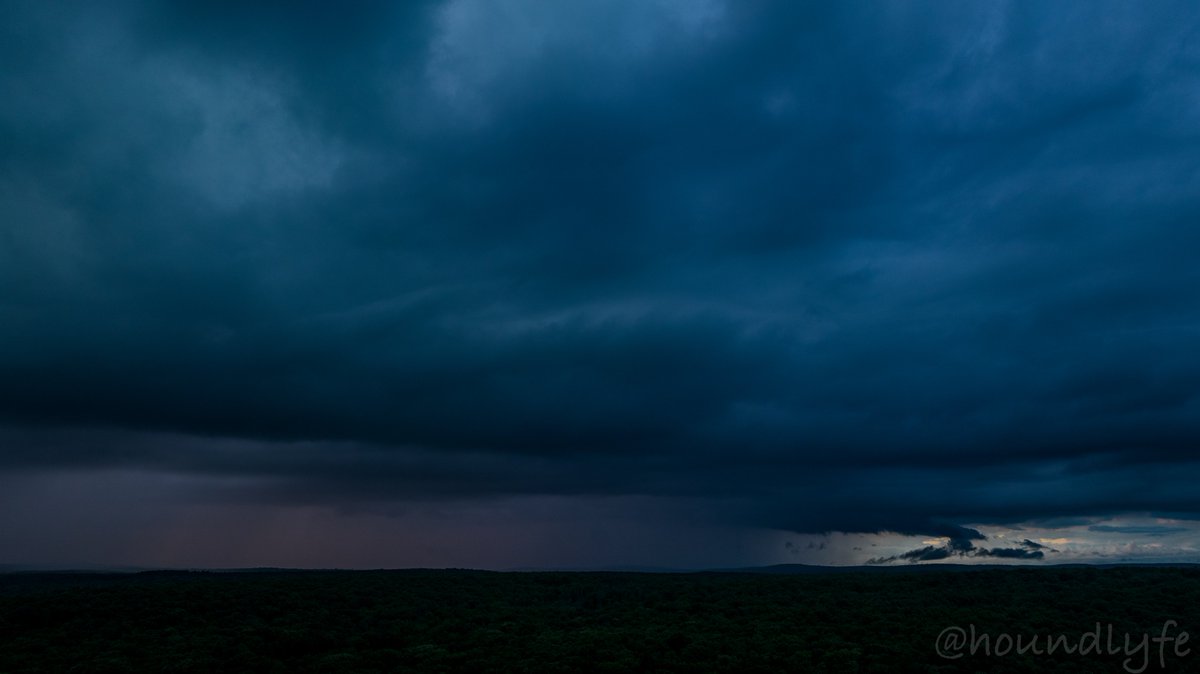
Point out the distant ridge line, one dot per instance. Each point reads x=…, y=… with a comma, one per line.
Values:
x=774, y=569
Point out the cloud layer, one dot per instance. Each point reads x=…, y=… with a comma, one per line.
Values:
x=824, y=268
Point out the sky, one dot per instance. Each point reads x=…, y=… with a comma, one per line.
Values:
x=655, y=283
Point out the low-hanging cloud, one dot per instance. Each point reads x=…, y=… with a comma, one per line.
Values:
x=965, y=547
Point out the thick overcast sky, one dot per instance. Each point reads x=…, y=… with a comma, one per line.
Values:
x=677, y=282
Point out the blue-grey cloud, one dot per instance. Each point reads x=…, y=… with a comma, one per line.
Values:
x=837, y=267
x=1137, y=530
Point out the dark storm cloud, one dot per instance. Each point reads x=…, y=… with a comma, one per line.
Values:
x=928, y=553
x=965, y=547
x=1009, y=553
x=833, y=267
